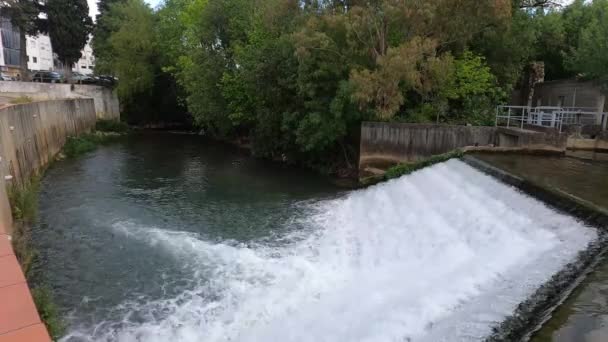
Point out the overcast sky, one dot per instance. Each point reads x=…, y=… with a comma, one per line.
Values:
x=93, y=5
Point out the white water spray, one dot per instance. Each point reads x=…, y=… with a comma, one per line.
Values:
x=444, y=254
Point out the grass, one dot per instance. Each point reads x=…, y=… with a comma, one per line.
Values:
x=24, y=206
x=48, y=310
x=21, y=100
x=407, y=168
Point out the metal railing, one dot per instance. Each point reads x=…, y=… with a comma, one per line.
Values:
x=550, y=117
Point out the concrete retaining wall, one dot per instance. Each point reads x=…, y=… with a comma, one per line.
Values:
x=106, y=101
x=30, y=136
x=391, y=143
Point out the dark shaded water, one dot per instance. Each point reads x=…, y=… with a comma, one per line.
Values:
x=584, y=316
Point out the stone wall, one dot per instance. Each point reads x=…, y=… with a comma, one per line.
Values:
x=106, y=101
x=383, y=144
x=30, y=136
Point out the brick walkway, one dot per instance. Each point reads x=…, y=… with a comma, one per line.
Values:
x=19, y=320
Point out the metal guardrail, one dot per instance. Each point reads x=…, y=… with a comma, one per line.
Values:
x=551, y=117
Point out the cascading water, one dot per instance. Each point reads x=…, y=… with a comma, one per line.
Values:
x=444, y=254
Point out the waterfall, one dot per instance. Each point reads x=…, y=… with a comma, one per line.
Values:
x=444, y=254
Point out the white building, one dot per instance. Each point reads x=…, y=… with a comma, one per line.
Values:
x=86, y=64
x=39, y=53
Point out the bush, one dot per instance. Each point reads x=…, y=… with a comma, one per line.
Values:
x=407, y=168
x=111, y=126
x=75, y=146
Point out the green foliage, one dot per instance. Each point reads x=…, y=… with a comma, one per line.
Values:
x=297, y=78
x=24, y=206
x=48, y=310
x=75, y=146
x=84, y=143
x=590, y=57
x=69, y=28
x=133, y=46
x=407, y=168
x=104, y=26
x=404, y=169
x=24, y=200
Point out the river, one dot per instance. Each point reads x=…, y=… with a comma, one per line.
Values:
x=166, y=237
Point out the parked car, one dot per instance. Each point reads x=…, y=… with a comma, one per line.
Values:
x=104, y=80
x=82, y=79
x=6, y=77
x=48, y=77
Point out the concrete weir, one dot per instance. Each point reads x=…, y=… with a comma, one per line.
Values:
x=30, y=136
x=385, y=144
x=533, y=313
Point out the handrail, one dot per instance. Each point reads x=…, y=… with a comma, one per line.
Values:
x=549, y=116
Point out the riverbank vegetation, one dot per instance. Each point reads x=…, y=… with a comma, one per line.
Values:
x=24, y=206
x=294, y=79
x=105, y=131
x=403, y=169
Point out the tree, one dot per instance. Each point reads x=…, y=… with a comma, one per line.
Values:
x=132, y=46
x=69, y=30
x=590, y=57
x=101, y=36
x=24, y=14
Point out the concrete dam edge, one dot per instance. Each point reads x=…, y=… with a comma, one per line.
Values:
x=533, y=313
x=31, y=135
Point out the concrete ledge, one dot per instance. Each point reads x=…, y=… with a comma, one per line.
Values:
x=384, y=144
x=19, y=320
x=531, y=314
x=106, y=101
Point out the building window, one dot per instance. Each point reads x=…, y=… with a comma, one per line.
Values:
x=35, y=59
x=28, y=58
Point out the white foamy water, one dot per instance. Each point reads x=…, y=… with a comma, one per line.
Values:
x=444, y=254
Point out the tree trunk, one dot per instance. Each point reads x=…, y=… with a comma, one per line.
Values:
x=24, y=75
x=67, y=71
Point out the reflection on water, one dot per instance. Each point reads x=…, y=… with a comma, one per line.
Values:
x=584, y=316
x=585, y=179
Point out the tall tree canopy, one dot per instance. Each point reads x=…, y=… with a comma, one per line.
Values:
x=69, y=29
x=101, y=36
x=296, y=77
